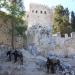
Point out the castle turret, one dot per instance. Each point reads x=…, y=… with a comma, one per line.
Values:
x=39, y=14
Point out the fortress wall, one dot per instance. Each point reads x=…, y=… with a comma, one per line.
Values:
x=5, y=33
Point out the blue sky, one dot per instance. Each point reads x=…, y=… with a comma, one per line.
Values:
x=51, y=3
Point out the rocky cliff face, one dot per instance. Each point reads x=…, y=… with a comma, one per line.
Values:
x=41, y=36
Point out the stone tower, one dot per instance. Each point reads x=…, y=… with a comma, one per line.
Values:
x=39, y=14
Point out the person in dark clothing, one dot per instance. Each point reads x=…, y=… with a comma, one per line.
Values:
x=9, y=55
x=51, y=64
x=17, y=55
x=21, y=58
x=48, y=63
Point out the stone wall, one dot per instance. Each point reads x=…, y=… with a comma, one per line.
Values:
x=5, y=33
x=45, y=42
x=5, y=25
x=65, y=45
x=61, y=40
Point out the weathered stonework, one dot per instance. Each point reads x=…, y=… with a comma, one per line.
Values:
x=5, y=33
x=39, y=14
x=5, y=25
x=39, y=19
x=41, y=37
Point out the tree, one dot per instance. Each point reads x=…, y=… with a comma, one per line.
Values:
x=17, y=9
x=61, y=20
x=17, y=12
x=73, y=21
x=3, y=4
x=20, y=31
x=57, y=18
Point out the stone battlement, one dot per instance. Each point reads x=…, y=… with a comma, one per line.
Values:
x=66, y=35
